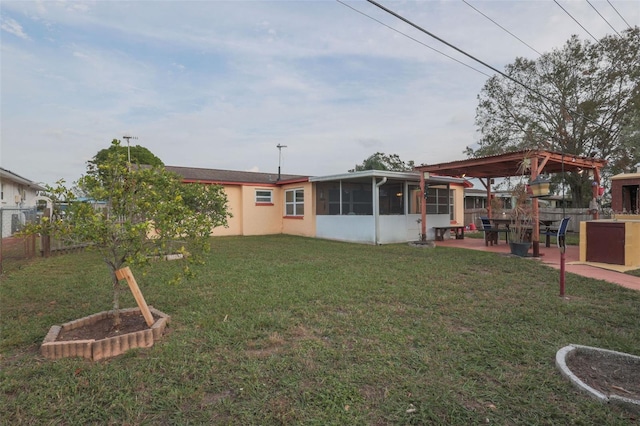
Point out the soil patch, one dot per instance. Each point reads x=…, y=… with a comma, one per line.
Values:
x=131, y=322
x=610, y=375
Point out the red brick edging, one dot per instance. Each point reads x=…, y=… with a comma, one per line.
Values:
x=104, y=348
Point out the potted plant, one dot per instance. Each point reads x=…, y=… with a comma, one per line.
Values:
x=521, y=221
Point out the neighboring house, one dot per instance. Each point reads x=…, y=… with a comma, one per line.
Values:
x=477, y=199
x=18, y=197
x=372, y=206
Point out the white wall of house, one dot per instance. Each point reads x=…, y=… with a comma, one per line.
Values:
x=17, y=201
x=391, y=228
x=394, y=229
x=356, y=229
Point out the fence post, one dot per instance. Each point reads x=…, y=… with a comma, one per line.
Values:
x=45, y=242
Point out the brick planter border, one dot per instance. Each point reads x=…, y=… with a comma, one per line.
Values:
x=104, y=348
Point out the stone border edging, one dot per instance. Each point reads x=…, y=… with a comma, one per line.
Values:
x=103, y=348
x=561, y=363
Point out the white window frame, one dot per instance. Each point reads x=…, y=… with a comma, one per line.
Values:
x=297, y=206
x=264, y=198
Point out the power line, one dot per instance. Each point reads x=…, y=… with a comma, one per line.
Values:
x=621, y=17
x=603, y=18
x=571, y=16
x=412, y=38
x=419, y=28
x=531, y=90
x=513, y=35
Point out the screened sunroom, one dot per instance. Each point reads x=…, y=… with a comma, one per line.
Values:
x=382, y=207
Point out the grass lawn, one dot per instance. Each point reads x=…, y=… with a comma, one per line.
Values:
x=290, y=330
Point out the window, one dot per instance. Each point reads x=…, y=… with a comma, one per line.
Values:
x=294, y=202
x=391, y=198
x=344, y=198
x=440, y=200
x=264, y=196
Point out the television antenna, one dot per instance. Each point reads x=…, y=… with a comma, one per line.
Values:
x=127, y=137
x=280, y=157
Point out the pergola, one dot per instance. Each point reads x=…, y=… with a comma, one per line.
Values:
x=511, y=164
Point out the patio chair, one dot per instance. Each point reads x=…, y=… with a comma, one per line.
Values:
x=490, y=231
x=562, y=232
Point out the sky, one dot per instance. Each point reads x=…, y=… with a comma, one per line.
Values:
x=219, y=84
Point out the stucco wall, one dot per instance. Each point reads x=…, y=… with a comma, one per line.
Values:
x=305, y=226
x=261, y=219
x=234, y=206
x=458, y=200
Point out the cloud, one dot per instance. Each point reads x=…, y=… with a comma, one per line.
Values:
x=13, y=27
x=219, y=85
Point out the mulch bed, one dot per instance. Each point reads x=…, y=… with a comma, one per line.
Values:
x=131, y=322
x=610, y=375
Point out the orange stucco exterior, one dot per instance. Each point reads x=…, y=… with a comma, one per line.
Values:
x=259, y=218
x=261, y=204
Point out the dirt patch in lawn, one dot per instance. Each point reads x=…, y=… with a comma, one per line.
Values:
x=610, y=375
x=102, y=329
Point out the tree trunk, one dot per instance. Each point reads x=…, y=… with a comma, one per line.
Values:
x=116, y=300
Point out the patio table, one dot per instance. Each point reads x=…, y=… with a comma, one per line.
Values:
x=547, y=223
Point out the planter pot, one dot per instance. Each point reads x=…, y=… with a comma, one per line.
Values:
x=519, y=249
x=108, y=347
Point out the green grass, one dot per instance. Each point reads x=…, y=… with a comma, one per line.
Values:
x=289, y=330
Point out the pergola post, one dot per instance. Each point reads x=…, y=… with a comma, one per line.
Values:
x=535, y=212
x=423, y=208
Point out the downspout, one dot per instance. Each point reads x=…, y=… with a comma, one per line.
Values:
x=376, y=207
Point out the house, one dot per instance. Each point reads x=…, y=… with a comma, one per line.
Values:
x=371, y=206
x=18, y=197
x=261, y=203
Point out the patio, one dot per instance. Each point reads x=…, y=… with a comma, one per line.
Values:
x=531, y=163
x=551, y=256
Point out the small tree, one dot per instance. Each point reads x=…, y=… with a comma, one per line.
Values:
x=148, y=213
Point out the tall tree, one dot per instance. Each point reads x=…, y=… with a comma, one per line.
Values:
x=381, y=161
x=139, y=154
x=584, y=101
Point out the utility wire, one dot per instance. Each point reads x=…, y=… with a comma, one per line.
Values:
x=531, y=90
x=414, y=39
x=405, y=20
x=513, y=35
x=571, y=16
x=621, y=17
x=603, y=18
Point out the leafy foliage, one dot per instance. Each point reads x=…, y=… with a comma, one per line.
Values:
x=139, y=155
x=381, y=161
x=135, y=214
x=587, y=104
